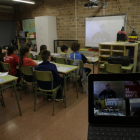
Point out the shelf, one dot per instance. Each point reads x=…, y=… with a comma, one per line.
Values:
x=105, y=50
x=117, y=50
x=30, y=38
x=104, y=55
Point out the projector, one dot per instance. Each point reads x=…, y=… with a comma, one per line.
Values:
x=90, y=5
x=96, y=1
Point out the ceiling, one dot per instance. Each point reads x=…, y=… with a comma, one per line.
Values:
x=10, y=2
x=6, y=6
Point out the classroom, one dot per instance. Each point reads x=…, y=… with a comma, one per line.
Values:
x=48, y=51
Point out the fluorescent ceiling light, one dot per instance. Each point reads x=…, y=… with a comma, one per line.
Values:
x=24, y=1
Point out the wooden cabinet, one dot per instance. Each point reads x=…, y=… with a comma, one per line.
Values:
x=117, y=48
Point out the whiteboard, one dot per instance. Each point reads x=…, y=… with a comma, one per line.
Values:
x=102, y=29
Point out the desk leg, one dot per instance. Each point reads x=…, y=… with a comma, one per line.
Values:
x=65, y=88
x=93, y=68
x=2, y=102
x=17, y=97
x=76, y=83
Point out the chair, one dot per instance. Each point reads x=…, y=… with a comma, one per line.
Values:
x=45, y=76
x=112, y=68
x=31, y=56
x=60, y=60
x=39, y=58
x=7, y=67
x=26, y=71
x=81, y=65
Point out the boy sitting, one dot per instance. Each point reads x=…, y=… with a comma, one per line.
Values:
x=47, y=66
x=64, y=50
x=75, y=47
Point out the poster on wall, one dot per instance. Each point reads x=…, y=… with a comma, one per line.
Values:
x=28, y=25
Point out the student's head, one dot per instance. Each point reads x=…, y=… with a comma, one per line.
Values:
x=107, y=86
x=12, y=50
x=29, y=44
x=46, y=55
x=64, y=48
x=24, y=52
x=43, y=47
x=75, y=47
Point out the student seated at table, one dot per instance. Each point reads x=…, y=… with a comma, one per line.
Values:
x=25, y=61
x=29, y=44
x=75, y=47
x=47, y=66
x=42, y=47
x=1, y=59
x=13, y=61
x=64, y=50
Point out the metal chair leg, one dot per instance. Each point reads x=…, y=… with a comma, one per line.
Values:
x=13, y=84
x=21, y=91
x=76, y=83
x=2, y=102
x=12, y=92
x=53, y=101
x=35, y=99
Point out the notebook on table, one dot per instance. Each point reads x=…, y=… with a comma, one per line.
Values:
x=114, y=107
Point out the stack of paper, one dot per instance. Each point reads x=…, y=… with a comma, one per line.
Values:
x=39, y=62
x=63, y=69
x=3, y=73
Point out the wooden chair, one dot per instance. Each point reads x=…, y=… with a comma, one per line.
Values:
x=112, y=68
x=31, y=56
x=81, y=65
x=60, y=60
x=26, y=71
x=39, y=58
x=7, y=67
x=45, y=76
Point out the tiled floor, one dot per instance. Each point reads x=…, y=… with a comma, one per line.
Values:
x=69, y=123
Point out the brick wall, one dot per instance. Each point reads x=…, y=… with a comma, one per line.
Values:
x=6, y=16
x=71, y=18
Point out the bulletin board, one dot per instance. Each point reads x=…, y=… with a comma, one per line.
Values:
x=28, y=25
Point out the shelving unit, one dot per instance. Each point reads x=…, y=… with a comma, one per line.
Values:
x=23, y=40
x=117, y=48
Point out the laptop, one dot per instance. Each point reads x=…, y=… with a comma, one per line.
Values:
x=114, y=107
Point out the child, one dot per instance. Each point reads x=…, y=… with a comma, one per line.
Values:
x=47, y=66
x=1, y=59
x=13, y=61
x=75, y=47
x=29, y=44
x=42, y=47
x=25, y=61
x=64, y=50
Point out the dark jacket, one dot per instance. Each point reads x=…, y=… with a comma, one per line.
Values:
x=108, y=94
x=47, y=66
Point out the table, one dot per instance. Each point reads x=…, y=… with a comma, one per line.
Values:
x=11, y=79
x=94, y=61
x=128, y=68
x=65, y=74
